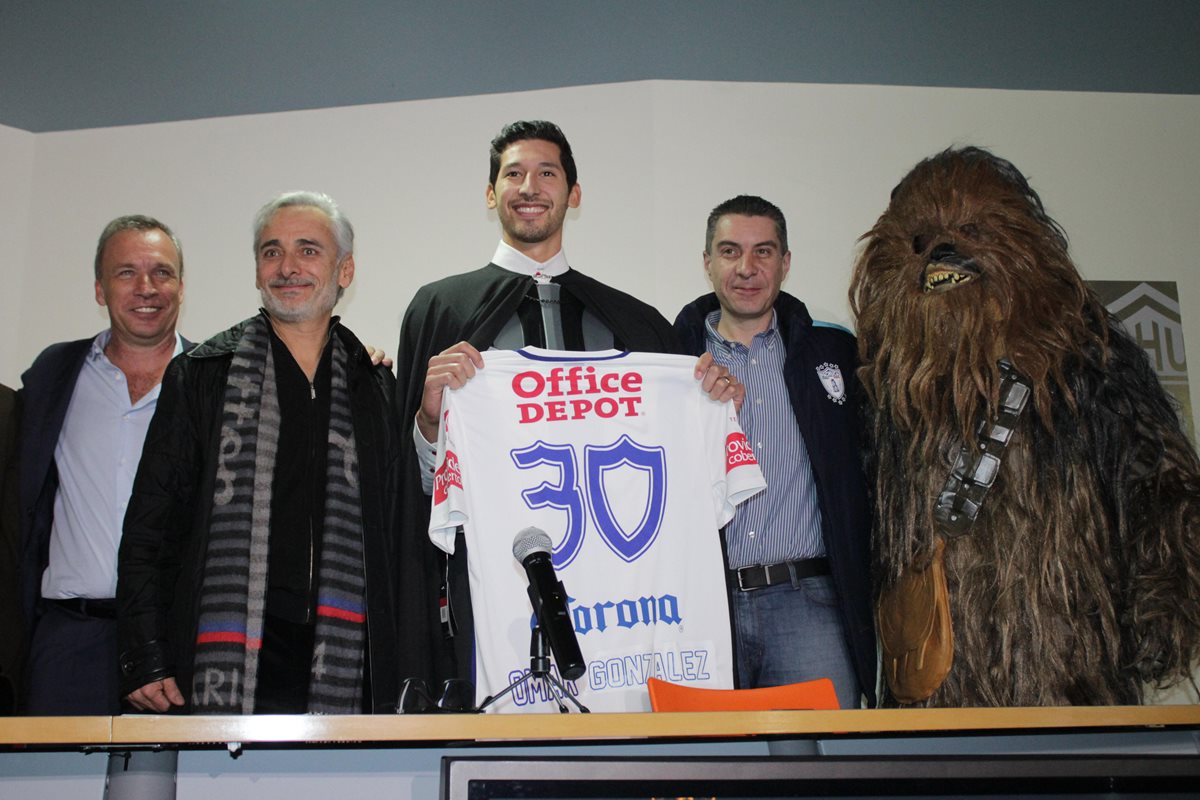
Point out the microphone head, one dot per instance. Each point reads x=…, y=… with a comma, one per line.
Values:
x=529, y=541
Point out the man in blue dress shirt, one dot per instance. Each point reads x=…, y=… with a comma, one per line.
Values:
x=86, y=408
x=800, y=591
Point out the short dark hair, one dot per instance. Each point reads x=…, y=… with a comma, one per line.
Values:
x=532, y=129
x=135, y=222
x=747, y=205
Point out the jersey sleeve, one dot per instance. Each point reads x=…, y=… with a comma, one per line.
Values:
x=736, y=476
x=449, y=500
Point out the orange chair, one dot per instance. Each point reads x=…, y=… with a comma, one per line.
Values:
x=816, y=694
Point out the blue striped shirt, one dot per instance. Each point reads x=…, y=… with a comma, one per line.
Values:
x=784, y=522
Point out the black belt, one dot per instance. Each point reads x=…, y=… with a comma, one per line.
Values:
x=761, y=576
x=100, y=609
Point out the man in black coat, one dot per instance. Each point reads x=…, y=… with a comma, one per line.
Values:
x=799, y=552
x=527, y=295
x=257, y=570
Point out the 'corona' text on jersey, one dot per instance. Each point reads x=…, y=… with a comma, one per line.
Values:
x=624, y=613
x=588, y=617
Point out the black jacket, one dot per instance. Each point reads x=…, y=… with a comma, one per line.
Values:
x=12, y=626
x=832, y=434
x=474, y=307
x=161, y=559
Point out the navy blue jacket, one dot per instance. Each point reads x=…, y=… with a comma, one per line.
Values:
x=46, y=390
x=832, y=434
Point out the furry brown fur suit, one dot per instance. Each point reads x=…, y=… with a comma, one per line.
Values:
x=1079, y=582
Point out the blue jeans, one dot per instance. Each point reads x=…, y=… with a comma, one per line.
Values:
x=792, y=632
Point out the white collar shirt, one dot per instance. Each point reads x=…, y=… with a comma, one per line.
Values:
x=513, y=260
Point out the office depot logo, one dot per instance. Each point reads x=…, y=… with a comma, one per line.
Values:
x=738, y=452
x=577, y=392
x=447, y=475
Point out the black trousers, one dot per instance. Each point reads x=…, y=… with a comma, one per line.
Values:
x=284, y=667
x=72, y=669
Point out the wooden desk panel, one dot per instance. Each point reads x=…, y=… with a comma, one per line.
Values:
x=208, y=731
x=55, y=730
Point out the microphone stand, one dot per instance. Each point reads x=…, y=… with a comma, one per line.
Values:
x=539, y=668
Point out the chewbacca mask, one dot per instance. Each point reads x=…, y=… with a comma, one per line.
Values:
x=1078, y=580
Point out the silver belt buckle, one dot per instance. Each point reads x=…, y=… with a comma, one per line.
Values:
x=741, y=587
x=740, y=572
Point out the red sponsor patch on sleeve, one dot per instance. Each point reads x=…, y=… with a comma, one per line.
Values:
x=738, y=452
x=448, y=475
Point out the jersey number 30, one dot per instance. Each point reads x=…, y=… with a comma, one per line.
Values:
x=569, y=495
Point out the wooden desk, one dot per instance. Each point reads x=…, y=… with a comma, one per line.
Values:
x=218, y=731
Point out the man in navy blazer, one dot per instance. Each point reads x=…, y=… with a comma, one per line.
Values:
x=86, y=406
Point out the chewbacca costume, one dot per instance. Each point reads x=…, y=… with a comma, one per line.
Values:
x=1078, y=581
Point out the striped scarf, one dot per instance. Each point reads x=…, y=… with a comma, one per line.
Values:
x=233, y=590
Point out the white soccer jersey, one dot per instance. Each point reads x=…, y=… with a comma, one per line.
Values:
x=631, y=469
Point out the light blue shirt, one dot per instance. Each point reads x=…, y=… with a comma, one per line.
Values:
x=97, y=457
x=784, y=522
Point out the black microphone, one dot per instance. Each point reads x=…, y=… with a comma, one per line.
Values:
x=532, y=548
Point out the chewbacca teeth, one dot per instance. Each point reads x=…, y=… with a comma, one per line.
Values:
x=943, y=279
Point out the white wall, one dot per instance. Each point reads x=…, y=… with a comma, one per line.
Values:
x=1118, y=171
x=16, y=187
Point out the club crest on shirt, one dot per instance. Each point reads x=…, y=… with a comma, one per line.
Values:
x=831, y=379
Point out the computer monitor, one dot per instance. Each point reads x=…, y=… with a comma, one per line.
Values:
x=993, y=777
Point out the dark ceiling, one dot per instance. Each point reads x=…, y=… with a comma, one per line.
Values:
x=70, y=64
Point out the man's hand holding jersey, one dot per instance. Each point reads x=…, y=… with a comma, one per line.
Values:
x=717, y=382
x=452, y=367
